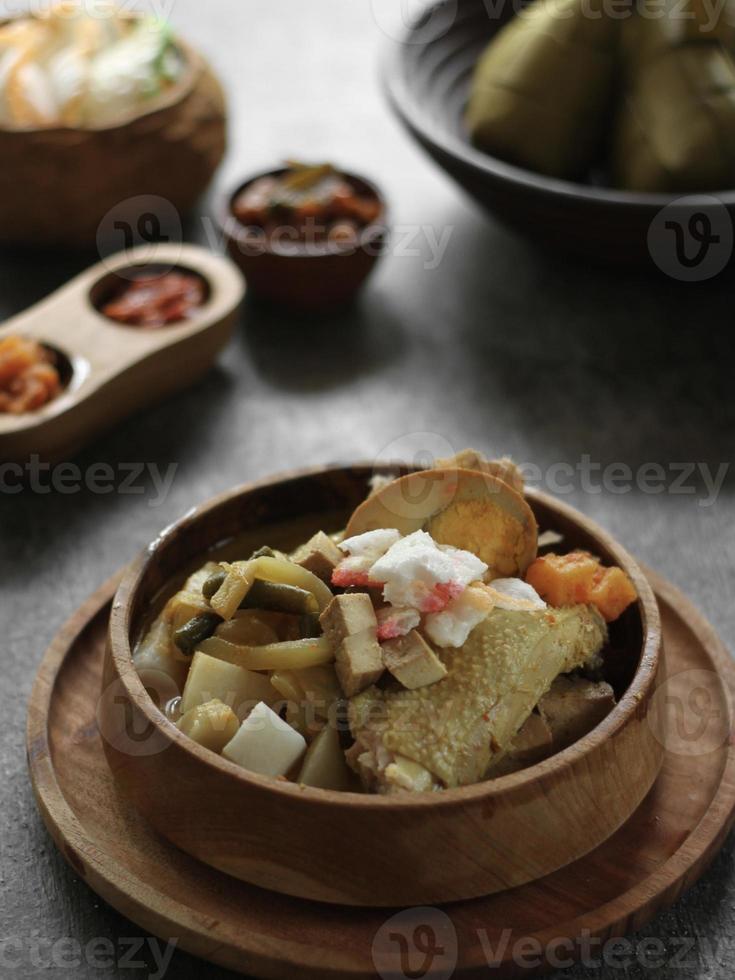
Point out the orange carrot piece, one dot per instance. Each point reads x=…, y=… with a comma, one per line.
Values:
x=578, y=577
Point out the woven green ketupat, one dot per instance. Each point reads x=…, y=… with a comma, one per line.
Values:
x=542, y=92
x=675, y=130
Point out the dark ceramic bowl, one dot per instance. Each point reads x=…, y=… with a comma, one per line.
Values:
x=427, y=76
x=305, y=279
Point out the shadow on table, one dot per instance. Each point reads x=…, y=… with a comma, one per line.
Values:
x=317, y=352
x=28, y=275
x=624, y=364
x=170, y=429
x=147, y=455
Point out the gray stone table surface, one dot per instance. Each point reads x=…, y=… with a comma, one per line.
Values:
x=564, y=367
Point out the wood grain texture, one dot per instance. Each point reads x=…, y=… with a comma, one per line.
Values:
x=456, y=845
x=118, y=369
x=646, y=865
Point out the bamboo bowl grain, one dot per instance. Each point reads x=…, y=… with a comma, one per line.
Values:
x=346, y=848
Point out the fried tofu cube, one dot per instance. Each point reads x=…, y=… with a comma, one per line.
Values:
x=358, y=662
x=351, y=626
x=348, y=615
x=533, y=741
x=532, y=744
x=320, y=555
x=412, y=661
x=573, y=707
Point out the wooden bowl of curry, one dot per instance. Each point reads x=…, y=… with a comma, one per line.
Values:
x=354, y=848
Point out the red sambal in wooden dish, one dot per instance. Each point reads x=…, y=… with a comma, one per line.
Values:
x=306, y=205
x=151, y=299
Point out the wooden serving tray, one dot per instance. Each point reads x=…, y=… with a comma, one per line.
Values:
x=643, y=868
x=112, y=370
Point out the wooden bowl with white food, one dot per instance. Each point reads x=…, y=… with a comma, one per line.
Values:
x=102, y=115
x=396, y=844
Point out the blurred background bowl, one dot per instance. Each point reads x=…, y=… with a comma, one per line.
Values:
x=317, y=279
x=427, y=75
x=62, y=186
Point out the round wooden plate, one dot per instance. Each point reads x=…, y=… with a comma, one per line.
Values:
x=644, y=867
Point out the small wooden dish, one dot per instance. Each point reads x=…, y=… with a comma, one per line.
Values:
x=111, y=369
x=355, y=849
x=642, y=869
x=322, y=279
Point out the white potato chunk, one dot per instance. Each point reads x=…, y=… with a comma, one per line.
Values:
x=405, y=774
x=157, y=653
x=212, y=725
x=265, y=744
x=240, y=689
x=324, y=765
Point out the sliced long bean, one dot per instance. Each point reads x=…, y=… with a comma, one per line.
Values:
x=188, y=637
x=214, y=583
x=285, y=572
x=276, y=597
x=289, y=655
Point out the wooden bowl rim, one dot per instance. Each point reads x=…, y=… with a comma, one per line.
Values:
x=409, y=111
x=193, y=66
x=638, y=693
x=235, y=231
